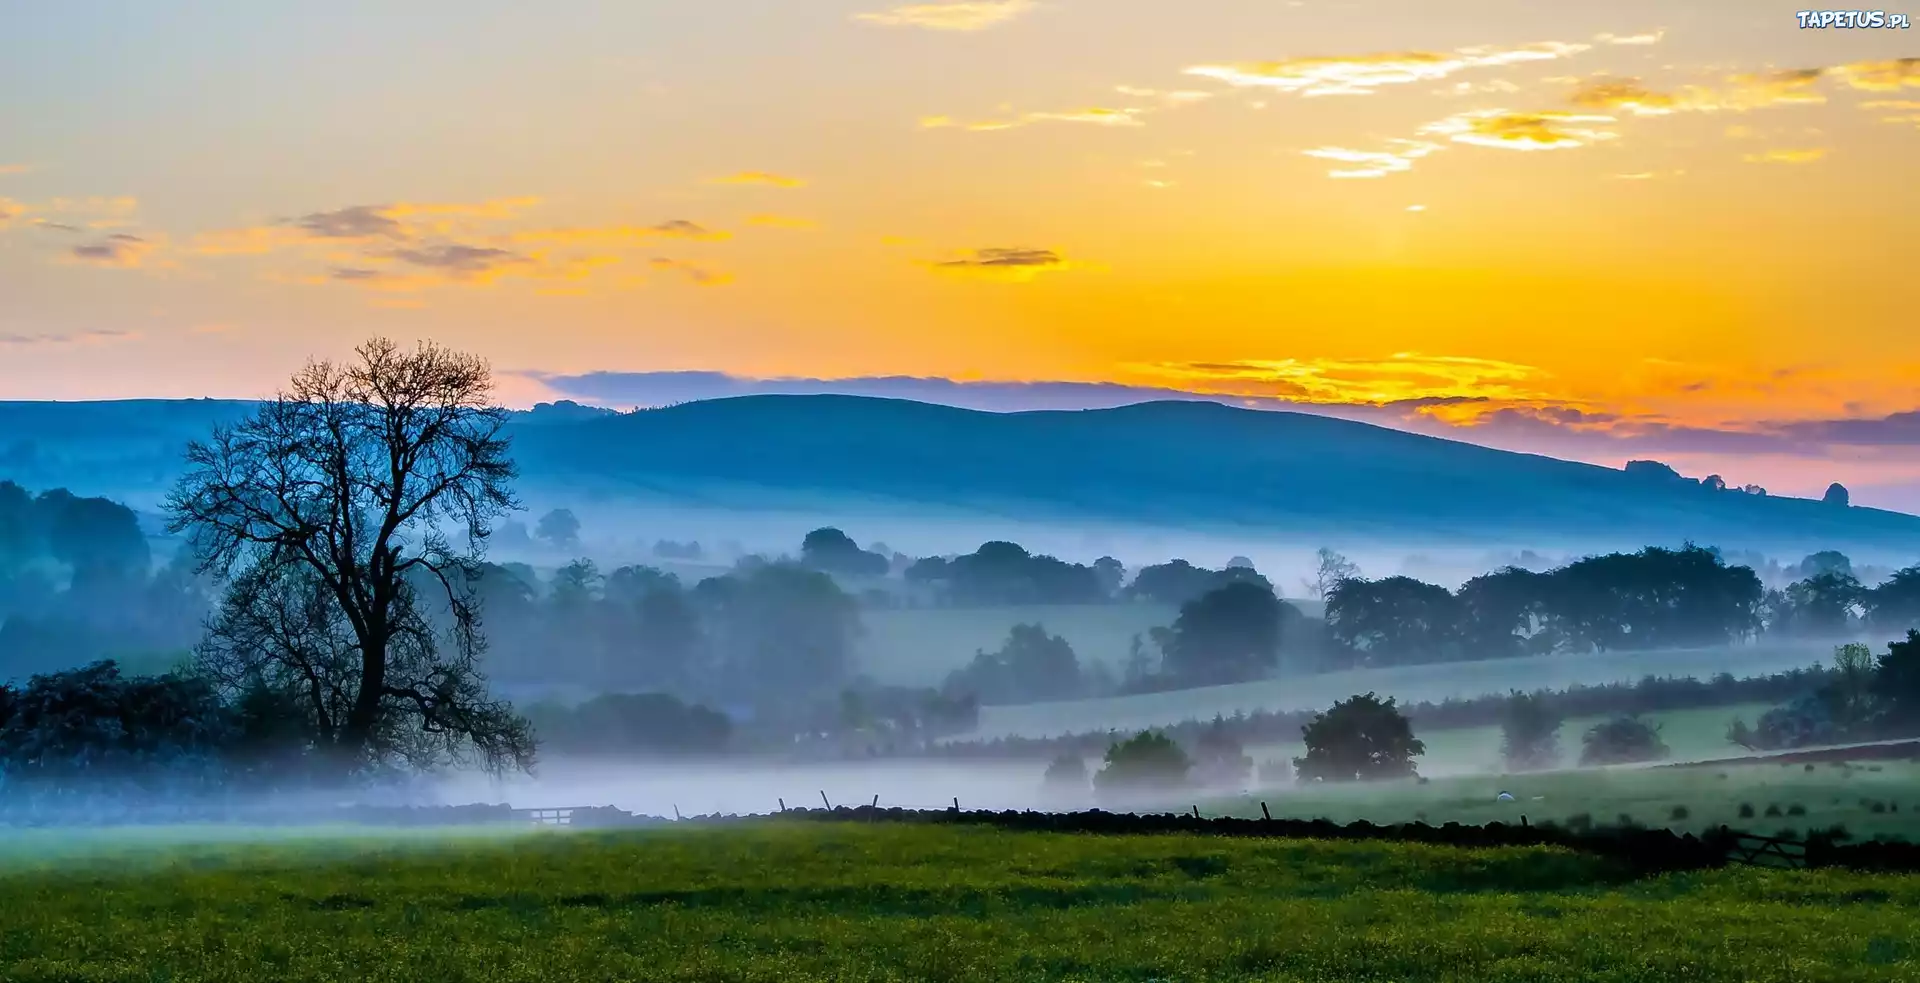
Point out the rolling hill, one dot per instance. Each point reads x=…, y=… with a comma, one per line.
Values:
x=1178, y=465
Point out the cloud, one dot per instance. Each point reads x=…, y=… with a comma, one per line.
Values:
x=781, y=222
x=10, y=210
x=611, y=235
x=761, y=178
x=1806, y=156
x=119, y=250
x=1651, y=37
x=1374, y=163
x=6, y=169
x=1365, y=74
x=47, y=339
x=1882, y=76
x=458, y=260
x=360, y=225
x=1740, y=93
x=1521, y=131
x=1094, y=116
x=1398, y=378
x=695, y=273
x=1173, y=97
x=957, y=15
x=1014, y=265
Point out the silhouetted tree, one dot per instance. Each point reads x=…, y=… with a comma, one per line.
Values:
x=835, y=552
x=1896, y=681
x=1530, y=733
x=1622, y=740
x=1894, y=606
x=1824, y=604
x=779, y=630
x=327, y=504
x=1148, y=761
x=1330, y=568
x=1837, y=495
x=559, y=528
x=1031, y=666
x=1230, y=634
x=1394, y=620
x=1360, y=738
x=1066, y=774
x=1219, y=759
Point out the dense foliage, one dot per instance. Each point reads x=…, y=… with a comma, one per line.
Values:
x=1362, y=738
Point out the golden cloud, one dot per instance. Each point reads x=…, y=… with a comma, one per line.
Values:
x=359, y=224
x=1364, y=74
x=1882, y=76
x=14, y=169
x=621, y=234
x=761, y=178
x=1173, y=97
x=1806, y=156
x=1521, y=131
x=1095, y=117
x=1741, y=93
x=1374, y=163
x=958, y=15
x=1399, y=378
x=1017, y=265
x=10, y=210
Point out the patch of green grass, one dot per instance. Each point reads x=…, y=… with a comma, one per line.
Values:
x=1408, y=684
x=797, y=902
x=920, y=646
x=1652, y=795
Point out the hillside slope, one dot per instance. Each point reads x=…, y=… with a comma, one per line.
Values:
x=1179, y=464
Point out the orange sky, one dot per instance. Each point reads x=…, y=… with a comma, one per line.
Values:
x=1680, y=214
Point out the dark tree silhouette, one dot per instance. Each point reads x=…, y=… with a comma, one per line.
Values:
x=1394, y=620
x=1622, y=740
x=1837, y=495
x=1359, y=739
x=1530, y=733
x=325, y=509
x=1148, y=761
x=559, y=528
x=1894, y=606
x=1896, y=681
x=835, y=552
x=1227, y=635
x=1031, y=666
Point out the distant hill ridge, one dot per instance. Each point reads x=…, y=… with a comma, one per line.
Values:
x=1182, y=464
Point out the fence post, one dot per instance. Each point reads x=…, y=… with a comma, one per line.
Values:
x=783, y=804
x=1196, y=812
x=823, y=800
x=1264, y=814
x=676, y=813
x=956, y=803
x=876, y=802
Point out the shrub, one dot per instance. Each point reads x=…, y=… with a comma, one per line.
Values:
x=1796, y=809
x=1148, y=760
x=1622, y=740
x=1773, y=811
x=1680, y=813
x=1746, y=810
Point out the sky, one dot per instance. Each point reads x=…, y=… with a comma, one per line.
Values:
x=1679, y=229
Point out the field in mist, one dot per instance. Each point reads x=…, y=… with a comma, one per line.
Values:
x=803, y=902
x=1409, y=684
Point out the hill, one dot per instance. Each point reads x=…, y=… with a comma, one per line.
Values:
x=1198, y=466
x=1189, y=465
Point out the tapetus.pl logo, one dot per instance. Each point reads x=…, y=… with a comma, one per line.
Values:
x=1856, y=20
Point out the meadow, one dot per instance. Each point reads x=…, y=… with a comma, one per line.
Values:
x=920, y=646
x=857, y=902
x=1409, y=684
x=1873, y=799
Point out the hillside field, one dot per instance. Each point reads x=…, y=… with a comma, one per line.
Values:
x=858, y=902
x=1870, y=798
x=920, y=646
x=1410, y=684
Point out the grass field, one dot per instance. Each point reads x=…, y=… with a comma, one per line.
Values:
x=1875, y=799
x=1433, y=682
x=872, y=903
x=1691, y=735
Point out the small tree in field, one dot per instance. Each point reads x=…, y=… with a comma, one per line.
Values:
x=1360, y=738
x=325, y=511
x=1529, y=733
x=1148, y=761
x=1622, y=740
x=1067, y=774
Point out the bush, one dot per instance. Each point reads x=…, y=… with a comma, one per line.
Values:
x=1680, y=813
x=1746, y=810
x=1146, y=761
x=1360, y=738
x=1622, y=740
x=1067, y=773
x=1773, y=811
x=1796, y=809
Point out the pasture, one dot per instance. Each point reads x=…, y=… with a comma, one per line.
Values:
x=841, y=902
x=920, y=646
x=1409, y=684
x=1872, y=799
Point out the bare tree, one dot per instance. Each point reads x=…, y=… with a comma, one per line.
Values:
x=1332, y=568
x=324, y=513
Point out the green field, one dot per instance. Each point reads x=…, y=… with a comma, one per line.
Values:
x=860, y=902
x=920, y=646
x=1409, y=684
x=1711, y=796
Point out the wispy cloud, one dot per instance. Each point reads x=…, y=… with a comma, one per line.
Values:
x=1651, y=37
x=1017, y=265
x=761, y=178
x=1509, y=130
x=1374, y=163
x=1364, y=74
x=1093, y=116
x=694, y=272
x=48, y=339
x=957, y=15
x=6, y=169
x=1882, y=76
x=119, y=250
x=10, y=210
x=678, y=228
x=1803, y=156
